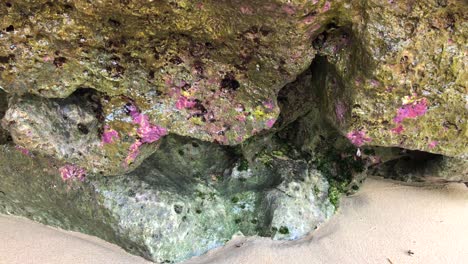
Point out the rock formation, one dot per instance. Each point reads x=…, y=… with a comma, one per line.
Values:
x=169, y=126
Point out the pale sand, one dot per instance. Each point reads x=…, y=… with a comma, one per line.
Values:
x=380, y=224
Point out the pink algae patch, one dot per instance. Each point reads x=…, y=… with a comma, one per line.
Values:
x=358, y=138
x=109, y=135
x=270, y=122
x=398, y=129
x=147, y=132
x=70, y=172
x=433, y=144
x=133, y=152
x=241, y=118
x=309, y=19
x=23, y=151
x=184, y=103
x=326, y=7
x=246, y=10
x=270, y=105
x=411, y=110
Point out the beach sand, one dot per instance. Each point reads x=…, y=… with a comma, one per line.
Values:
x=385, y=222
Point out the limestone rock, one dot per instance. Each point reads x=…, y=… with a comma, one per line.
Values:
x=69, y=130
x=176, y=204
x=401, y=78
x=208, y=69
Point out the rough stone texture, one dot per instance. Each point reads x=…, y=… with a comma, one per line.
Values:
x=299, y=203
x=208, y=69
x=177, y=203
x=403, y=66
x=450, y=169
x=416, y=166
x=97, y=84
x=393, y=71
x=69, y=130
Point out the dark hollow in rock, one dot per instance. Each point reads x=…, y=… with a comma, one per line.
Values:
x=418, y=166
x=229, y=83
x=4, y=135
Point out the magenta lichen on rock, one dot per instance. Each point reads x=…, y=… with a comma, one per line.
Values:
x=326, y=7
x=412, y=110
x=184, y=103
x=358, y=137
x=71, y=172
x=133, y=152
x=433, y=144
x=270, y=122
x=24, y=151
x=398, y=129
x=109, y=135
x=147, y=132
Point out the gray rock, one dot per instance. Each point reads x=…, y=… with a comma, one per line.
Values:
x=69, y=130
x=299, y=204
x=182, y=201
x=449, y=169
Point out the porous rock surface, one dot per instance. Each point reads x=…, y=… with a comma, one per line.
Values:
x=401, y=75
x=212, y=70
x=175, y=205
x=255, y=112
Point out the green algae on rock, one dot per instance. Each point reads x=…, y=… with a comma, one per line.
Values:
x=213, y=70
x=180, y=101
x=3, y=109
x=396, y=55
x=229, y=59
x=170, y=208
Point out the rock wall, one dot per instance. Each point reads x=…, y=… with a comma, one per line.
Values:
x=257, y=112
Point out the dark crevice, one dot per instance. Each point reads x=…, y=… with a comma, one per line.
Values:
x=181, y=162
x=317, y=106
x=415, y=166
x=4, y=135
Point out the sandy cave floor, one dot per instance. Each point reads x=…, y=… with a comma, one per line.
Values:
x=385, y=222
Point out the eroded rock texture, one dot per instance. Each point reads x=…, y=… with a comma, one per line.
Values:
x=176, y=204
x=403, y=64
x=259, y=113
x=212, y=70
x=208, y=69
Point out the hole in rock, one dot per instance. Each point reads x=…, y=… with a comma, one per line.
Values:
x=229, y=83
x=415, y=166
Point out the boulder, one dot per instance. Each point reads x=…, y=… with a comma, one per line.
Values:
x=186, y=198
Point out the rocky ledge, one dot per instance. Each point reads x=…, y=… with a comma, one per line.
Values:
x=169, y=126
